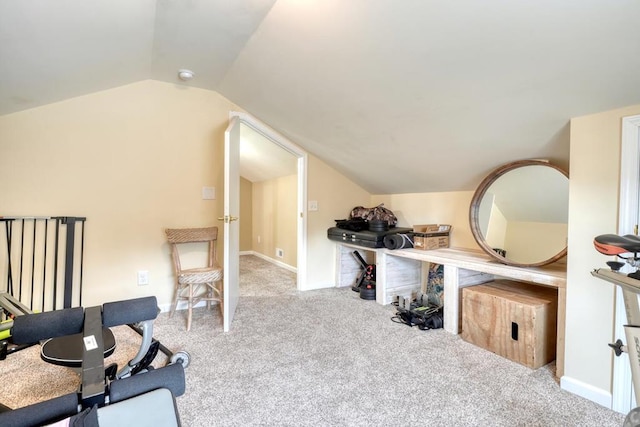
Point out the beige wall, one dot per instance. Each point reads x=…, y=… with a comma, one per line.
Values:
x=593, y=210
x=336, y=196
x=433, y=208
x=246, y=215
x=133, y=160
x=275, y=218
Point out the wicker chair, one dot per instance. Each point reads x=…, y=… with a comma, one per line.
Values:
x=196, y=284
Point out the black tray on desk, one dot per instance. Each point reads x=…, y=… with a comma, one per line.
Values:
x=366, y=238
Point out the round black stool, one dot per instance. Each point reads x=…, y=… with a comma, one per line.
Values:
x=68, y=350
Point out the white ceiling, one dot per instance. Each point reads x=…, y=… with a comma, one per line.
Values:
x=261, y=159
x=400, y=95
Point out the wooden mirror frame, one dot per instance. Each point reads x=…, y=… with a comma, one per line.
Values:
x=475, y=205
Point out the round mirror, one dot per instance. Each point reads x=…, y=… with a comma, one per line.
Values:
x=519, y=213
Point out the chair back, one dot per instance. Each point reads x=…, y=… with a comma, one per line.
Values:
x=176, y=236
x=191, y=235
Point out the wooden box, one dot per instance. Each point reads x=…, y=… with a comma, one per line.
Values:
x=513, y=319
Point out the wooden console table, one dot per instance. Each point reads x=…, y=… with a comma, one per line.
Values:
x=400, y=272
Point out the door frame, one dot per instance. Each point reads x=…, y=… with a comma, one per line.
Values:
x=231, y=283
x=284, y=143
x=622, y=399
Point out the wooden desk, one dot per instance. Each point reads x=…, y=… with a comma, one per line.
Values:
x=399, y=273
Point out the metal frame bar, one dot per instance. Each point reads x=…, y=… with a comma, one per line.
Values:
x=25, y=281
x=630, y=291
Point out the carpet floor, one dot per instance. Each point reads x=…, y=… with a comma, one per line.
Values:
x=327, y=358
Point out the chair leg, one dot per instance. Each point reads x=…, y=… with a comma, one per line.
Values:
x=221, y=302
x=190, y=301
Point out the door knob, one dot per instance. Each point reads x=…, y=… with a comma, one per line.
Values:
x=227, y=219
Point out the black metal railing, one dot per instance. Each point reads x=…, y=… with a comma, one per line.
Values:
x=41, y=260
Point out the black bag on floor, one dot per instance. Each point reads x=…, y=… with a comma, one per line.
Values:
x=424, y=317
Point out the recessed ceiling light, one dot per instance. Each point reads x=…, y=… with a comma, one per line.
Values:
x=185, y=75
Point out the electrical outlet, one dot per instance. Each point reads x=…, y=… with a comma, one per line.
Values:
x=279, y=253
x=143, y=277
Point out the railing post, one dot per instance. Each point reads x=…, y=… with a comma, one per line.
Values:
x=70, y=222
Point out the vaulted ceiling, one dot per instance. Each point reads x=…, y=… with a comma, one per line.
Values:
x=400, y=95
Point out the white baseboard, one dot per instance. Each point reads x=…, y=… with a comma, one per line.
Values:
x=587, y=391
x=271, y=260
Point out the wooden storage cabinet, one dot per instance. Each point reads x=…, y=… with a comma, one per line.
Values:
x=512, y=319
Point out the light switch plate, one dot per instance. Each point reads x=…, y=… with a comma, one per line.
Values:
x=208, y=193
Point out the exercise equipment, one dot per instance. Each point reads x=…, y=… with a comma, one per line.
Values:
x=366, y=280
x=362, y=237
x=398, y=241
x=612, y=244
x=10, y=308
x=102, y=387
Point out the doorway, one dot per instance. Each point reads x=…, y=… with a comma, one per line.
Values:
x=276, y=171
x=268, y=201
